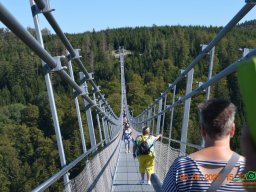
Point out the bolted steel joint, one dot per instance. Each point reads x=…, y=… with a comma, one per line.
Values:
x=88, y=106
x=77, y=54
x=90, y=76
x=76, y=94
x=35, y=10
x=182, y=73
x=58, y=67
x=87, y=77
x=96, y=89
x=179, y=100
x=47, y=8
x=167, y=106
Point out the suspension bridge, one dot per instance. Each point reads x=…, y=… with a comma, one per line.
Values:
x=107, y=166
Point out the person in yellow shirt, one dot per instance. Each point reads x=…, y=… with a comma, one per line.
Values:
x=143, y=148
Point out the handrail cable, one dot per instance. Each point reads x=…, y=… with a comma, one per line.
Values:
x=245, y=9
x=228, y=70
x=30, y=41
x=48, y=15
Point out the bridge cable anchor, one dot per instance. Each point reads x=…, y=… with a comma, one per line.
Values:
x=58, y=67
x=87, y=77
x=76, y=56
x=47, y=8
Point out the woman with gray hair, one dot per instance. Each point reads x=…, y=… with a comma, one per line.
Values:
x=215, y=167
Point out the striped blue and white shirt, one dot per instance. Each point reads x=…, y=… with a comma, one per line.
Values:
x=185, y=175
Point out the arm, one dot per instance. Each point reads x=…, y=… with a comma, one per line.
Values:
x=158, y=137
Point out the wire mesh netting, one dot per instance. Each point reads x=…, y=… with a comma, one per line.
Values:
x=98, y=172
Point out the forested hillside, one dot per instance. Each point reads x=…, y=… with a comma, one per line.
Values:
x=28, y=152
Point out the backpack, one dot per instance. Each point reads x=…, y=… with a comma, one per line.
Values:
x=144, y=148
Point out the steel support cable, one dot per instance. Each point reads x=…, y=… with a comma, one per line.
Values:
x=228, y=70
x=30, y=41
x=245, y=9
x=57, y=29
x=15, y=27
x=48, y=15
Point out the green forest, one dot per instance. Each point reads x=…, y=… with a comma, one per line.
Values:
x=28, y=149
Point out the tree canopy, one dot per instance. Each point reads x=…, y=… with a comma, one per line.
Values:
x=28, y=153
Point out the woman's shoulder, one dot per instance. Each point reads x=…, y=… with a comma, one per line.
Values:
x=211, y=156
x=183, y=161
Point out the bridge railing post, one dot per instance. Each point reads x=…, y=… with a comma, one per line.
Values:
x=140, y=120
x=110, y=130
x=171, y=122
x=210, y=67
x=98, y=122
x=149, y=116
x=153, y=124
x=144, y=118
x=171, y=116
x=162, y=133
x=163, y=121
x=51, y=97
x=105, y=130
x=138, y=124
x=184, y=130
x=88, y=111
x=208, y=89
x=80, y=124
x=158, y=123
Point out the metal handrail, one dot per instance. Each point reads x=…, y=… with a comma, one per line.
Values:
x=245, y=9
x=48, y=15
x=7, y=18
x=228, y=70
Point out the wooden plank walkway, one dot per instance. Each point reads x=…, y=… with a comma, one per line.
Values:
x=127, y=174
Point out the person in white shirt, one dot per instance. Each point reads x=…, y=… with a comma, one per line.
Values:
x=127, y=136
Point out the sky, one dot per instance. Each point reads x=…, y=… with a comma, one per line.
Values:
x=76, y=16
